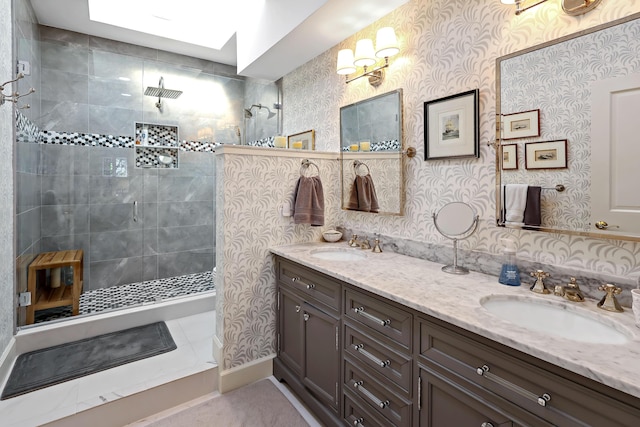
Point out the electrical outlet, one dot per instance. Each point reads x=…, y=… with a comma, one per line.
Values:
x=24, y=299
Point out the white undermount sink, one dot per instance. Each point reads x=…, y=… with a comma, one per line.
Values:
x=554, y=318
x=337, y=254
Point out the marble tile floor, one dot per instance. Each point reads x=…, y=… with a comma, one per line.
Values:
x=192, y=334
x=132, y=294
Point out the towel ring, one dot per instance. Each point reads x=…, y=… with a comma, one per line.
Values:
x=357, y=164
x=306, y=164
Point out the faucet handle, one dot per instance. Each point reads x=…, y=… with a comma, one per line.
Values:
x=538, y=287
x=353, y=242
x=609, y=301
x=376, y=246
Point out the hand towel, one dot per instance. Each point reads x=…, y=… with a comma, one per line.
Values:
x=363, y=195
x=532, y=214
x=308, y=204
x=515, y=201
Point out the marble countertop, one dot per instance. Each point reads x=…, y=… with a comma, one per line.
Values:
x=422, y=285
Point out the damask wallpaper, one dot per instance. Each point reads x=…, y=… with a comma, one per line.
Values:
x=447, y=47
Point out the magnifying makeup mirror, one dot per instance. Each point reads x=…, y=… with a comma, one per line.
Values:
x=455, y=221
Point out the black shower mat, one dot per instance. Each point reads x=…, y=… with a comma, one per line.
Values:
x=54, y=365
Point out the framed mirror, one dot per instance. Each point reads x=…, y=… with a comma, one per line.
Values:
x=565, y=126
x=371, y=155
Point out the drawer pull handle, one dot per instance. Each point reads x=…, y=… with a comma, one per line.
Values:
x=378, y=402
x=308, y=285
x=360, y=349
x=486, y=424
x=358, y=422
x=542, y=400
x=297, y=309
x=306, y=316
x=361, y=312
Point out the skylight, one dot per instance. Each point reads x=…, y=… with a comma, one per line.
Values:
x=208, y=23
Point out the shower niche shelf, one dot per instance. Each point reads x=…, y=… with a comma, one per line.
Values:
x=161, y=150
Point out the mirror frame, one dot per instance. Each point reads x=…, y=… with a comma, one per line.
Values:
x=611, y=235
x=400, y=153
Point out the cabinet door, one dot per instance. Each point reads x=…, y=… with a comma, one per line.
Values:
x=321, y=354
x=290, y=330
x=444, y=404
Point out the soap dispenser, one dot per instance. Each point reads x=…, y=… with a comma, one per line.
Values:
x=509, y=275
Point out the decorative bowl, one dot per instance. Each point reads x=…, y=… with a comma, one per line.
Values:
x=332, y=235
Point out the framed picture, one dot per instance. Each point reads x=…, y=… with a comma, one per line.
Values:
x=303, y=141
x=509, y=157
x=546, y=155
x=451, y=126
x=521, y=125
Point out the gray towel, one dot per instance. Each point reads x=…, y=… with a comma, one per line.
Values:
x=532, y=214
x=308, y=205
x=363, y=195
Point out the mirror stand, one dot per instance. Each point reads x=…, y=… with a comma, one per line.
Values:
x=458, y=221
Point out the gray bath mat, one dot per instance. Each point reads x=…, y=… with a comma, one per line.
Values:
x=54, y=365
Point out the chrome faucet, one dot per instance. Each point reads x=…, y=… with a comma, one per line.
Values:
x=538, y=287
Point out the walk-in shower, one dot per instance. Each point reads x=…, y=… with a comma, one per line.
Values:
x=161, y=92
x=259, y=128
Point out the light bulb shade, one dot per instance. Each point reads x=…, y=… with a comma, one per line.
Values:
x=345, y=62
x=386, y=42
x=365, y=55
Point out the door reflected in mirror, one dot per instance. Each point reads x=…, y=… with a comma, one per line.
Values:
x=371, y=155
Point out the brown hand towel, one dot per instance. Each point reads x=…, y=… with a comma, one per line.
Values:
x=308, y=201
x=363, y=195
x=532, y=214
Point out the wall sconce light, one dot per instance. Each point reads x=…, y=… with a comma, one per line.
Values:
x=366, y=56
x=570, y=7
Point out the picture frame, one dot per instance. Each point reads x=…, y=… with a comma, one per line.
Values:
x=525, y=124
x=451, y=126
x=509, y=158
x=307, y=140
x=546, y=155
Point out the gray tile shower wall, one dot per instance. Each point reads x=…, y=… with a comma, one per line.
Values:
x=87, y=205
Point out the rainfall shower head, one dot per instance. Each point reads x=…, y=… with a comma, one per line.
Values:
x=161, y=92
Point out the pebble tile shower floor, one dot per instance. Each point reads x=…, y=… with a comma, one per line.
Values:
x=133, y=294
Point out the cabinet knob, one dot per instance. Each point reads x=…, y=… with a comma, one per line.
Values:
x=306, y=316
x=297, y=309
x=358, y=422
x=486, y=424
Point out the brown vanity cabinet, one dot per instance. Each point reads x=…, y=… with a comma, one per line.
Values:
x=308, y=333
x=358, y=359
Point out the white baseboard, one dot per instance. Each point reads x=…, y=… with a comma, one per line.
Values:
x=248, y=373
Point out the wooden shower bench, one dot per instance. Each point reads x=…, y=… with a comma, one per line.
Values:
x=43, y=297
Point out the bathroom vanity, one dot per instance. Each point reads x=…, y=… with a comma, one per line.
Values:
x=371, y=339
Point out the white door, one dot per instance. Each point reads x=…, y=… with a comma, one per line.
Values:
x=615, y=153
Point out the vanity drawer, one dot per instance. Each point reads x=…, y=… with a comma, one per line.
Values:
x=372, y=354
x=357, y=413
x=385, y=318
x=381, y=397
x=310, y=283
x=522, y=380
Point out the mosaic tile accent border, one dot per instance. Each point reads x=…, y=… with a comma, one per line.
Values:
x=117, y=297
x=264, y=142
x=391, y=145
x=26, y=130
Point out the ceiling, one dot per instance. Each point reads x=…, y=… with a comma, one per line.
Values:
x=271, y=39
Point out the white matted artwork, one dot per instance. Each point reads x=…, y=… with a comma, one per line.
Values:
x=509, y=157
x=546, y=155
x=451, y=126
x=521, y=125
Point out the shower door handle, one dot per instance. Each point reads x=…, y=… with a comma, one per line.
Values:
x=135, y=211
